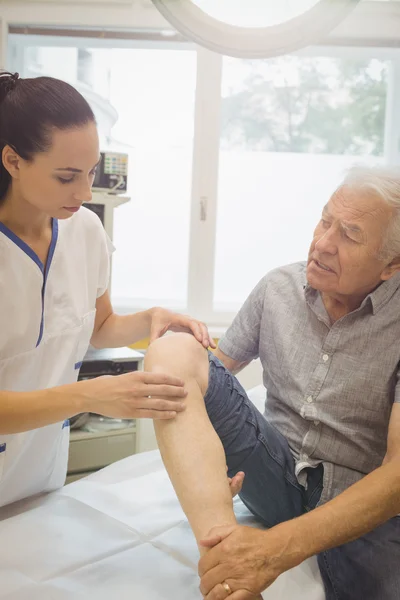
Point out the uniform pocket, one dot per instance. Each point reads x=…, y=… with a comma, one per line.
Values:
x=3, y=448
x=57, y=478
x=84, y=337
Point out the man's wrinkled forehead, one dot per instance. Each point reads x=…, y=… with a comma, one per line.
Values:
x=348, y=219
x=365, y=217
x=357, y=207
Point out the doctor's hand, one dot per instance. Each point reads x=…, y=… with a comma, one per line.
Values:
x=163, y=320
x=247, y=559
x=134, y=395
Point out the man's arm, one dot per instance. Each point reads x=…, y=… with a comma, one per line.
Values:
x=252, y=559
x=360, y=509
x=234, y=366
x=241, y=342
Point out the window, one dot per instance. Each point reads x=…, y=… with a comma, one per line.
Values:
x=143, y=99
x=290, y=127
x=230, y=160
x=153, y=92
x=85, y=66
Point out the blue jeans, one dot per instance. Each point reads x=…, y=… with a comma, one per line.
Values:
x=366, y=569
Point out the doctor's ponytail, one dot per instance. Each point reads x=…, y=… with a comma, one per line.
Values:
x=8, y=82
x=30, y=109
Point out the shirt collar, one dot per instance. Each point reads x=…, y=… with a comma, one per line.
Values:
x=376, y=299
x=382, y=294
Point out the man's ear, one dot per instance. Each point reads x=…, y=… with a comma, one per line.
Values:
x=391, y=269
x=11, y=161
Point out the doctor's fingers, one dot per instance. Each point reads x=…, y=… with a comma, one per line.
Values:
x=142, y=390
x=148, y=377
x=158, y=404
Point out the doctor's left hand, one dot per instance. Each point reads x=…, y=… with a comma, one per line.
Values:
x=247, y=559
x=163, y=320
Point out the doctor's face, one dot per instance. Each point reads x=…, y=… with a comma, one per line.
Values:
x=58, y=181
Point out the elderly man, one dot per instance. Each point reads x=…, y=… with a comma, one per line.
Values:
x=322, y=466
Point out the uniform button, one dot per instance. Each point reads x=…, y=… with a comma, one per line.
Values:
x=316, y=423
x=325, y=357
x=309, y=399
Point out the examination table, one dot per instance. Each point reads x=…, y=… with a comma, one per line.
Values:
x=118, y=534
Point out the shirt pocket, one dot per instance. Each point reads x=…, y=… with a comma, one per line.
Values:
x=367, y=388
x=84, y=337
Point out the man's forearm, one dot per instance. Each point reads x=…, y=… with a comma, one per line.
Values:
x=122, y=330
x=360, y=509
x=234, y=366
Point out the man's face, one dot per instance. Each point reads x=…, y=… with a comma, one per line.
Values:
x=343, y=256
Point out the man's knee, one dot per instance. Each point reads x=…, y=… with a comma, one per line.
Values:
x=179, y=354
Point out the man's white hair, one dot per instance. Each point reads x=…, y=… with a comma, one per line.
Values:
x=383, y=182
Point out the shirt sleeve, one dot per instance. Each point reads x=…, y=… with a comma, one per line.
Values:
x=242, y=339
x=397, y=388
x=106, y=250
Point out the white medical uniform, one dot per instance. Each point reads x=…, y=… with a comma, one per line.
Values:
x=46, y=322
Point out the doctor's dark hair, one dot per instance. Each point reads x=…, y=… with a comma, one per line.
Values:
x=30, y=109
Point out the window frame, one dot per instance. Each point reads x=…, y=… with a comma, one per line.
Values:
x=206, y=147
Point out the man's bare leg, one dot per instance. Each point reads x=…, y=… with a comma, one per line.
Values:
x=190, y=448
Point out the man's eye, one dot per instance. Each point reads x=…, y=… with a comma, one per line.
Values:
x=62, y=180
x=350, y=239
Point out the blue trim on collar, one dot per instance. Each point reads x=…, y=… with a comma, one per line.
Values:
x=54, y=237
x=21, y=244
x=29, y=252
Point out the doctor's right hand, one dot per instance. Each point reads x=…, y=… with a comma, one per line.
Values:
x=135, y=395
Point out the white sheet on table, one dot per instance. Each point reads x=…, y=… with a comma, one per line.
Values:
x=118, y=533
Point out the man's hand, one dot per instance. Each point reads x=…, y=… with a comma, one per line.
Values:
x=247, y=559
x=163, y=320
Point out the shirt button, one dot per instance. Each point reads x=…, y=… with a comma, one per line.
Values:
x=325, y=357
x=309, y=399
x=316, y=423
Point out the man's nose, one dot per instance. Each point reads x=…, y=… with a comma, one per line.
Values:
x=327, y=243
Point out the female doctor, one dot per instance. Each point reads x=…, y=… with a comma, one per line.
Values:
x=54, y=271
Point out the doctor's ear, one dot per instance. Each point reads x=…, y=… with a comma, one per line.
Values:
x=11, y=161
